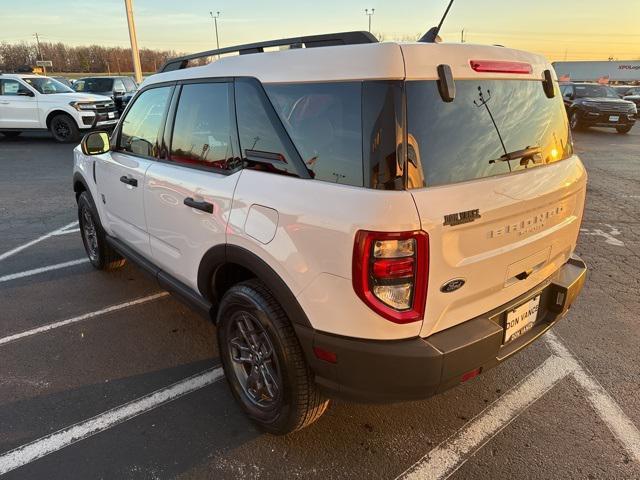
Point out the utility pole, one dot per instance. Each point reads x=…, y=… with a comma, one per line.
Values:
x=44, y=69
x=369, y=13
x=215, y=25
x=134, y=41
x=462, y=36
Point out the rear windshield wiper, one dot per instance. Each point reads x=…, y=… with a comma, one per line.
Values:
x=523, y=154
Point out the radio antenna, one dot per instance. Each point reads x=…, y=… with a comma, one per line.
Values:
x=432, y=35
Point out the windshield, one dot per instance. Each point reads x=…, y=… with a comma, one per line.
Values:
x=595, y=91
x=488, y=123
x=47, y=85
x=93, y=85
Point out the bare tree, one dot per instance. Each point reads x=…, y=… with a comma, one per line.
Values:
x=80, y=59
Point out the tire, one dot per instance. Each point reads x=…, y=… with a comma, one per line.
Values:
x=100, y=253
x=64, y=129
x=273, y=383
x=12, y=134
x=574, y=120
x=624, y=130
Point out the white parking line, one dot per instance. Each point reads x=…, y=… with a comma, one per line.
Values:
x=610, y=412
x=451, y=454
x=36, y=271
x=58, y=231
x=80, y=318
x=67, y=436
x=65, y=232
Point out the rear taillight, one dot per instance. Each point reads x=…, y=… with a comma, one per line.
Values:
x=390, y=272
x=501, y=66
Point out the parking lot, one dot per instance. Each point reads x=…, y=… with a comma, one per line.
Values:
x=103, y=375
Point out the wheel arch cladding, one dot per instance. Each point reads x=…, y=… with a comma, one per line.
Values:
x=58, y=112
x=79, y=185
x=224, y=265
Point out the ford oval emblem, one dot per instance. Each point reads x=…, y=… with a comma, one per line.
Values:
x=452, y=285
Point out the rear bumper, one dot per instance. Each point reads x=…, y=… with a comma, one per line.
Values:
x=383, y=371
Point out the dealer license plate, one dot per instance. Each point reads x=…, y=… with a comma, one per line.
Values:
x=521, y=319
x=614, y=118
x=111, y=114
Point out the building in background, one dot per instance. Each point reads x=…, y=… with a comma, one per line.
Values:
x=592, y=71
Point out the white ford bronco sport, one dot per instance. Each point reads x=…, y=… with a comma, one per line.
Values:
x=33, y=102
x=372, y=221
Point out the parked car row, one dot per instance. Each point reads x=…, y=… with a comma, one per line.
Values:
x=34, y=102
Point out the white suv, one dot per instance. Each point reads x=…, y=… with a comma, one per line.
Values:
x=33, y=103
x=375, y=221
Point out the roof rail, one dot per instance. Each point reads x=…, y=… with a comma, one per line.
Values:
x=325, y=40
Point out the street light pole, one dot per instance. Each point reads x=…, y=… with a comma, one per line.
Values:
x=369, y=13
x=134, y=41
x=215, y=24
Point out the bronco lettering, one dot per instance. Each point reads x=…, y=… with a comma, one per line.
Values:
x=528, y=225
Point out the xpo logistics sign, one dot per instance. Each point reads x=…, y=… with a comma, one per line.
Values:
x=626, y=71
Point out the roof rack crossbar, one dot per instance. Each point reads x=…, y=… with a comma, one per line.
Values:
x=325, y=40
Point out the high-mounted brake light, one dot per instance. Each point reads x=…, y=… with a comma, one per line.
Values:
x=390, y=272
x=501, y=66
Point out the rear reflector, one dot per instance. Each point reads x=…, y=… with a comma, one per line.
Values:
x=393, y=268
x=501, y=66
x=471, y=374
x=325, y=355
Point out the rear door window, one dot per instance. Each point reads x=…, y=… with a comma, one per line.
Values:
x=12, y=88
x=468, y=138
x=203, y=131
x=324, y=121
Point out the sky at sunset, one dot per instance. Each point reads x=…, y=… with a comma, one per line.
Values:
x=559, y=29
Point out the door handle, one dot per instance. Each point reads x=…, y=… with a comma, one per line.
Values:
x=129, y=181
x=204, y=206
x=4, y=103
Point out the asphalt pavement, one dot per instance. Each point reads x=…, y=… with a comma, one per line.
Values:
x=104, y=375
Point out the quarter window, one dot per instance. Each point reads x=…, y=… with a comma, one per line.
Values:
x=141, y=126
x=118, y=86
x=325, y=123
x=264, y=145
x=203, y=132
x=129, y=84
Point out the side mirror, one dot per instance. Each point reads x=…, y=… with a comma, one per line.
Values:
x=95, y=143
x=118, y=93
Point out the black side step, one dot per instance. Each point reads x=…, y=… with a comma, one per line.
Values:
x=166, y=281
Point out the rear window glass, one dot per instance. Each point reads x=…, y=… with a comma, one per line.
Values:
x=324, y=120
x=469, y=137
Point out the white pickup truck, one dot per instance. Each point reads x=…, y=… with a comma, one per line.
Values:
x=33, y=102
